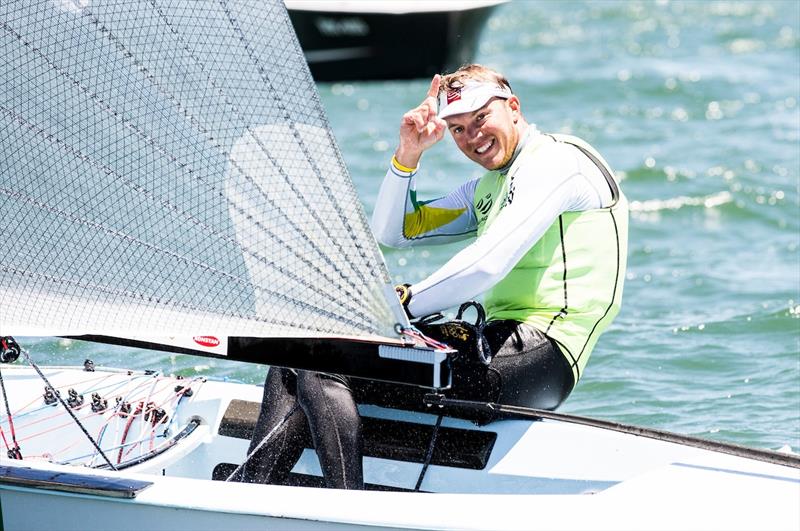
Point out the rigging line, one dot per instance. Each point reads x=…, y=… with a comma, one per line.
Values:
x=22, y=413
x=116, y=446
x=49, y=429
x=147, y=401
x=180, y=395
x=66, y=407
x=415, y=334
x=141, y=410
x=5, y=441
x=127, y=397
x=85, y=418
x=220, y=91
x=429, y=453
x=57, y=414
x=154, y=407
x=282, y=107
x=41, y=418
x=266, y=438
x=131, y=418
x=150, y=140
x=151, y=437
x=123, y=446
x=20, y=196
x=521, y=412
x=87, y=391
x=168, y=400
x=100, y=435
x=74, y=443
x=164, y=446
x=15, y=451
x=150, y=77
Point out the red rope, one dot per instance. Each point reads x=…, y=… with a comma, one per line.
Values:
x=416, y=334
x=3, y=434
x=131, y=417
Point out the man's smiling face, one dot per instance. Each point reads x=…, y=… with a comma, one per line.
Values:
x=488, y=135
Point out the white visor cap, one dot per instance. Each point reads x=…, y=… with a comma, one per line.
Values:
x=472, y=96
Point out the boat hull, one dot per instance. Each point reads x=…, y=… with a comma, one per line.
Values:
x=364, y=45
x=510, y=474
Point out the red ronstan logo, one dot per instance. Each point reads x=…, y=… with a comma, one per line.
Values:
x=453, y=95
x=206, y=341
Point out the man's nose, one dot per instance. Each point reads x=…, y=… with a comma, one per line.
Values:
x=475, y=132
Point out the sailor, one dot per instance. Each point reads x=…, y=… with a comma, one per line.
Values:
x=550, y=229
x=549, y=224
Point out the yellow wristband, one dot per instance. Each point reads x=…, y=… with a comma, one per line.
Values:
x=403, y=293
x=401, y=167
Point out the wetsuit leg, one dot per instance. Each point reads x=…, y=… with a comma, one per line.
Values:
x=335, y=427
x=528, y=369
x=273, y=462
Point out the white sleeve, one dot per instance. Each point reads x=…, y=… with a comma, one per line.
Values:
x=399, y=220
x=553, y=182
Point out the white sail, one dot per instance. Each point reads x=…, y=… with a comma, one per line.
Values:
x=167, y=168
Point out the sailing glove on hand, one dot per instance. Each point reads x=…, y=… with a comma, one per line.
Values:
x=404, y=294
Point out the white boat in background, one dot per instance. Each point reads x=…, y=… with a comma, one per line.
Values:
x=523, y=472
x=168, y=180
x=388, y=39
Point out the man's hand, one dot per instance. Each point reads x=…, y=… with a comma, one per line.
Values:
x=420, y=128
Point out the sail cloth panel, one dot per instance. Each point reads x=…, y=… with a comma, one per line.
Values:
x=167, y=167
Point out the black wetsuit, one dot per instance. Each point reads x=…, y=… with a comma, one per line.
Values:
x=527, y=369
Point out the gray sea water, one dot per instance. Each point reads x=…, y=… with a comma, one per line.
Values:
x=695, y=105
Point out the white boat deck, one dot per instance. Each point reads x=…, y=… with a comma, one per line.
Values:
x=543, y=474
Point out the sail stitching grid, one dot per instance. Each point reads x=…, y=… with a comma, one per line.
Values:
x=258, y=140
x=198, y=126
x=281, y=106
x=127, y=122
x=108, y=289
x=133, y=185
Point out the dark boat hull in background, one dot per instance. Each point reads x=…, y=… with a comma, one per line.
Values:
x=358, y=40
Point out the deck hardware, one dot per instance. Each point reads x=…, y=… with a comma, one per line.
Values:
x=9, y=350
x=188, y=392
x=15, y=453
x=99, y=404
x=50, y=395
x=156, y=415
x=124, y=407
x=74, y=400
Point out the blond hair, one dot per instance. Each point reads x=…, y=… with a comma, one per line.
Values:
x=473, y=72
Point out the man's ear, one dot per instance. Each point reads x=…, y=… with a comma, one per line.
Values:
x=516, y=107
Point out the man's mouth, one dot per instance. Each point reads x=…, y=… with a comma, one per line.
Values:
x=485, y=147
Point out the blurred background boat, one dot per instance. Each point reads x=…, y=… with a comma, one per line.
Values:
x=388, y=39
